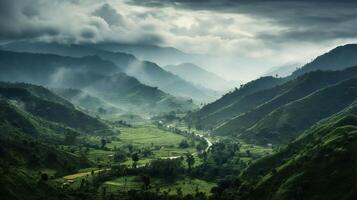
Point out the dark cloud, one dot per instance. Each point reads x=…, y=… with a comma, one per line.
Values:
x=70, y=21
x=15, y=21
x=310, y=20
x=110, y=15
x=88, y=33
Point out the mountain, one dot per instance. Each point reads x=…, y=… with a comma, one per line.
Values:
x=53, y=111
x=92, y=74
x=282, y=71
x=151, y=74
x=199, y=117
x=311, y=166
x=194, y=74
x=146, y=72
x=160, y=55
x=337, y=59
x=285, y=123
x=26, y=149
x=237, y=103
x=88, y=102
x=293, y=90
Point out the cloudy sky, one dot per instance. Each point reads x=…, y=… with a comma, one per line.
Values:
x=242, y=38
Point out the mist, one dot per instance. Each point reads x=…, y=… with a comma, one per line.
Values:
x=237, y=42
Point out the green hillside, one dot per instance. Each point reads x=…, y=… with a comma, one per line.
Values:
x=247, y=98
x=50, y=110
x=27, y=152
x=230, y=98
x=286, y=122
x=289, y=92
x=338, y=58
x=88, y=102
x=318, y=165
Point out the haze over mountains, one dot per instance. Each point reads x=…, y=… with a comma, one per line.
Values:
x=146, y=72
x=271, y=114
x=161, y=55
x=282, y=71
x=107, y=82
x=199, y=76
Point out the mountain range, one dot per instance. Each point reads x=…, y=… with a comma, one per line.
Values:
x=153, y=53
x=199, y=76
x=99, y=77
x=146, y=72
x=275, y=113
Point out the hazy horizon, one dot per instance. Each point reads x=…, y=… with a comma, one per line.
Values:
x=239, y=40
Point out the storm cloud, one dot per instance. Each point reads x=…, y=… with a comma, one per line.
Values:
x=302, y=19
x=241, y=38
x=67, y=21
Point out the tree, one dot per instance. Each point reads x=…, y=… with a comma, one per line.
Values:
x=168, y=169
x=248, y=153
x=70, y=137
x=146, y=180
x=104, y=191
x=179, y=192
x=104, y=142
x=205, y=157
x=135, y=158
x=130, y=148
x=201, y=146
x=190, y=160
x=44, y=177
x=147, y=152
x=184, y=144
x=119, y=156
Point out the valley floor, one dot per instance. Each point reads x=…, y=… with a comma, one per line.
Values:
x=153, y=142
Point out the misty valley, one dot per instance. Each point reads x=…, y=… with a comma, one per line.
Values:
x=96, y=105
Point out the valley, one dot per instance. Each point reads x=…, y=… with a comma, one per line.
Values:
x=178, y=100
x=89, y=141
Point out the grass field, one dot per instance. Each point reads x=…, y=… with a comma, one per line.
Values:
x=165, y=143
x=82, y=173
x=145, y=136
x=162, y=143
x=187, y=185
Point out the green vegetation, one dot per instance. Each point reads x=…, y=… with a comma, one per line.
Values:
x=285, y=123
x=59, y=111
x=226, y=100
x=271, y=139
x=321, y=157
x=294, y=90
x=185, y=185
